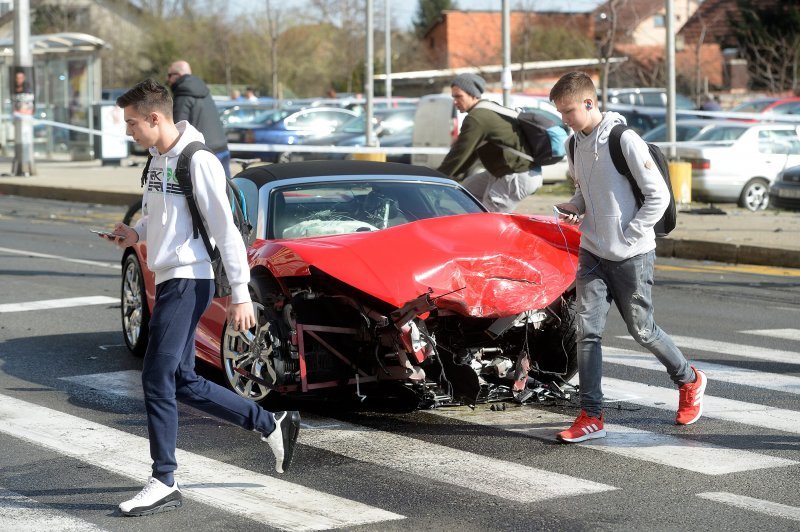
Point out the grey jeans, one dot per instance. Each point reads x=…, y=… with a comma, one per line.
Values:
x=502, y=194
x=627, y=283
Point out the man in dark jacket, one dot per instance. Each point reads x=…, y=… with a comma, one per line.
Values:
x=507, y=178
x=192, y=102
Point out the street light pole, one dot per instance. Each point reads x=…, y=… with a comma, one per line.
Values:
x=23, y=110
x=671, y=133
x=387, y=50
x=369, y=81
x=505, y=78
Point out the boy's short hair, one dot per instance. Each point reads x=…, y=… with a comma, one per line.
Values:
x=575, y=85
x=146, y=97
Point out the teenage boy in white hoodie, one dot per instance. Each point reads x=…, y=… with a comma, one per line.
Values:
x=184, y=290
x=617, y=252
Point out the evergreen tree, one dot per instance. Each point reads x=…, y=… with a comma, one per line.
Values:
x=427, y=13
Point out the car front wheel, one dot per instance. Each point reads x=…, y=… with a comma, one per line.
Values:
x=247, y=356
x=135, y=312
x=755, y=195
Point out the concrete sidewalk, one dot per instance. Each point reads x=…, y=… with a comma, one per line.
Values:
x=768, y=238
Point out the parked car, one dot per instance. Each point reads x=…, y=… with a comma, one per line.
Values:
x=369, y=275
x=437, y=123
x=685, y=129
x=386, y=123
x=640, y=119
x=738, y=161
x=646, y=97
x=785, y=191
x=284, y=126
x=234, y=113
x=774, y=106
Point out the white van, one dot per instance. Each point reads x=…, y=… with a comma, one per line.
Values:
x=437, y=123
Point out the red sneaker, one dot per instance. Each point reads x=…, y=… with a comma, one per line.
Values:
x=584, y=428
x=690, y=403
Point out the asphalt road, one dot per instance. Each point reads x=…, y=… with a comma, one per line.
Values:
x=73, y=433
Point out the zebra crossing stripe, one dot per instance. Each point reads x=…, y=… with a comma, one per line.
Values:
x=58, y=303
x=786, y=334
x=773, y=509
x=736, y=350
x=436, y=462
x=625, y=441
x=756, y=415
x=716, y=372
x=20, y=513
x=270, y=501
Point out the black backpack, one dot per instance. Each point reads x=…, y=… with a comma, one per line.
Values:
x=238, y=204
x=669, y=218
x=543, y=137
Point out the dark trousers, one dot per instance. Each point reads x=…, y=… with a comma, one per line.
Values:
x=168, y=374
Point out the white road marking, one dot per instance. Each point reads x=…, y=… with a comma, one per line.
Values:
x=772, y=509
x=737, y=350
x=756, y=415
x=429, y=460
x=661, y=449
x=268, y=500
x=58, y=303
x=786, y=334
x=716, y=372
x=112, y=265
x=21, y=514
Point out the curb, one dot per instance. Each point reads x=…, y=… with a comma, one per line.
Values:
x=69, y=194
x=729, y=253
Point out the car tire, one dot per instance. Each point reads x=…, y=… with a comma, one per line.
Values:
x=135, y=312
x=755, y=195
x=251, y=353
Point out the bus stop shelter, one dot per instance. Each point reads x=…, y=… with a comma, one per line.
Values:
x=67, y=82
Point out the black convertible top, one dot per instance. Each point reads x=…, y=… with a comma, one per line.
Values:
x=272, y=172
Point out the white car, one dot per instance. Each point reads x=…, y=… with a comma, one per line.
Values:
x=437, y=123
x=737, y=162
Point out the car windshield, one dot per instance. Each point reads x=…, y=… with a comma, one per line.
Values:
x=332, y=208
x=391, y=122
x=721, y=133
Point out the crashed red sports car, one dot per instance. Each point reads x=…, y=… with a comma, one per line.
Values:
x=375, y=276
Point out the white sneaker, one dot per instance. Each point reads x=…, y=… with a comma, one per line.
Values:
x=155, y=497
x=282, y=439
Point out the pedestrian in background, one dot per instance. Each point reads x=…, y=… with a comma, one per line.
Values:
x=507, y=178
x=250, y=95
x=184, y=289
x=617, y=252
x=193, y=103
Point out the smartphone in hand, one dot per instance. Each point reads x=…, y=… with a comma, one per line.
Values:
x=564, y=212
x=107, y=234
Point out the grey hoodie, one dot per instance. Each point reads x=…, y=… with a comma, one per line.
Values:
x=613, y=227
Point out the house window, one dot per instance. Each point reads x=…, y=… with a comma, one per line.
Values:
x=659, y=21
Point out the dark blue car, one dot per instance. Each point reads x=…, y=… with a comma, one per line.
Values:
x=284, y=126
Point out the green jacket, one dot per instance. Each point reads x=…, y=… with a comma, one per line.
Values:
x=481, y=125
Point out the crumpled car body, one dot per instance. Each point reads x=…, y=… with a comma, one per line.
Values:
x=388, y=279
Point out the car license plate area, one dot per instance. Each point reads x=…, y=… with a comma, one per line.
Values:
x=788, y=193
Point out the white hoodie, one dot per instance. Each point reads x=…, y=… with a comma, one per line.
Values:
x=613, y=227
x=172, y=252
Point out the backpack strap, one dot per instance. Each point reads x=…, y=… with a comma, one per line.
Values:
x=620, y=163
x=572, y=148
x=146, y=169
x=184, y=177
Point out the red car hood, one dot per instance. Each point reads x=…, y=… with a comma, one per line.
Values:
x=482, y=265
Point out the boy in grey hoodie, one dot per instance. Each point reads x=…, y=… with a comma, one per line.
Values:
x=617, y=252
x=184, y=290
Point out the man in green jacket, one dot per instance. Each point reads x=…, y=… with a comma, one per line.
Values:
x=507, y=178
